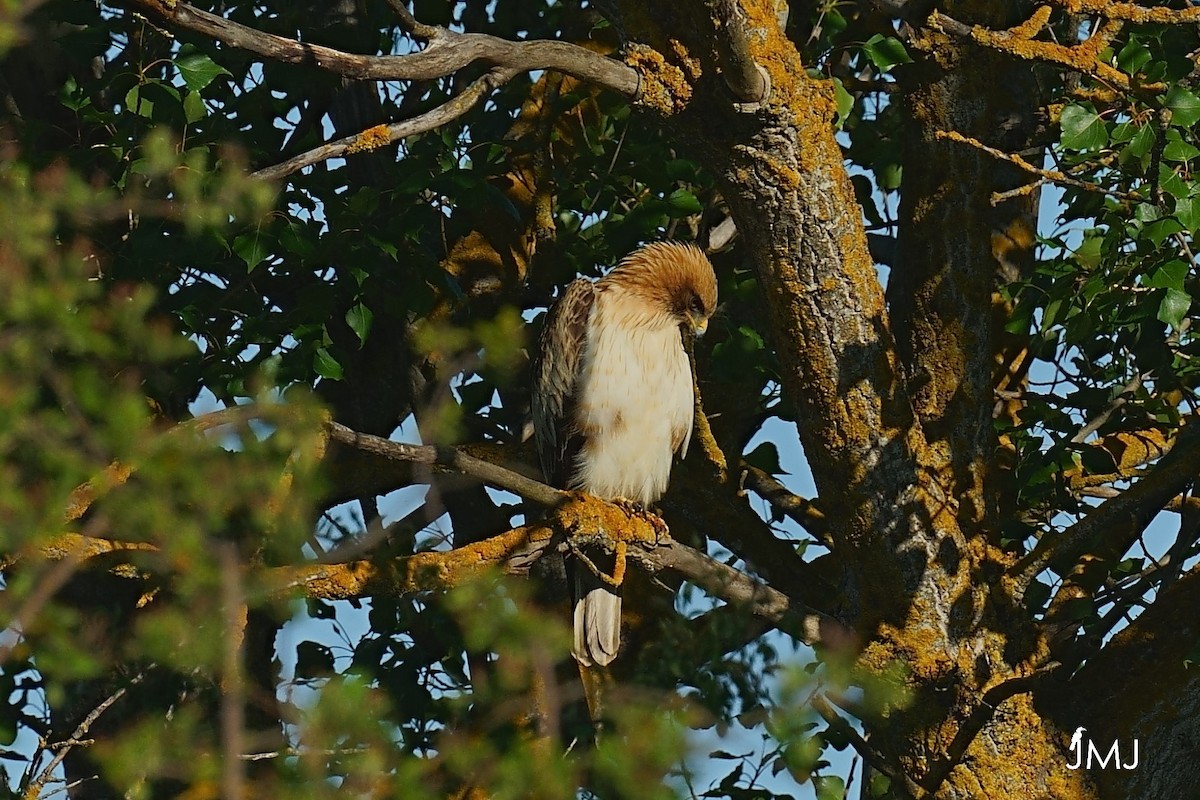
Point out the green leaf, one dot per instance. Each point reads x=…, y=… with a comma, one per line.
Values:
x=1133, y=56
x=1141, y=143
x=1170, y=182
x=1184, y=105
x=683, y=203
x=147, y=98
x=1170, y=275
x=1082, y=129
x=845, y=103
x=1174, y=306
x=193, y=107
x=1187, y=211
x=326, y=365
x=886, y=52
x=1157, y=232
x=1177, y=149
x=197, y=69
x=829, y=787
x=359, y=319
x=251, y=247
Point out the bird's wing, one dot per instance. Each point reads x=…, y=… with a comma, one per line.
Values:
x=556, y=380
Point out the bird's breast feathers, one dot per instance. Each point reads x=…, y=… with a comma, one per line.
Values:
x=636, y=400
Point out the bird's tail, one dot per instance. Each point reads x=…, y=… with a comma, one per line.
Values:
x=597, y=618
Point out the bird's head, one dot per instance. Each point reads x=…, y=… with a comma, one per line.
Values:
x=676, y=277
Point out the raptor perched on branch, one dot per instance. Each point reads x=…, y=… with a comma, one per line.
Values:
x=613, y=401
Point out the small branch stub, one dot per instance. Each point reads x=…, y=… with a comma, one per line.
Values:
x=749, y=83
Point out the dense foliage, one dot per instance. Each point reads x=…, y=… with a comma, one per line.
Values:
x=178, y=329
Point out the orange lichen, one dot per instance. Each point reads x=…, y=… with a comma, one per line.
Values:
x=81, y=499
x=688, y=64
x=664, y=87
x=370, y=139
x=1083, y=57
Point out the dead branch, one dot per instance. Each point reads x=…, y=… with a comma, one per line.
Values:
x=446, y=53
x=35, y=788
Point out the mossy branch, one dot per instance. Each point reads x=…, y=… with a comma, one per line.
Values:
x=582, y=518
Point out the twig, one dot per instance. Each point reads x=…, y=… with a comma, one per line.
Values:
x=233, y=701
x=383, y=135
x=447, y=52
x=34, y=789
x=1050, y=175
x=409, y=23
x=872, y=756
x=302, y=752
x=1121, y=398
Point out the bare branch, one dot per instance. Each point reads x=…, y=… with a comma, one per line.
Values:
x=383, y=135
x=451, y=459
x=409, y=23
x=35, y=788
x=447, y=52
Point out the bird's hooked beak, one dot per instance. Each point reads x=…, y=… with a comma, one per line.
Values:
x=699, y=324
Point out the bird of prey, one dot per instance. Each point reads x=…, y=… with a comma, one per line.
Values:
x=613, y=400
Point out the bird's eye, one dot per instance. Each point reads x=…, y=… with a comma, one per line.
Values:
x=695, y=306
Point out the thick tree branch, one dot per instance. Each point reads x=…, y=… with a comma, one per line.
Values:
x=581, y=517
x=1084, y=57
x=447, y=52
x=1131, y=12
